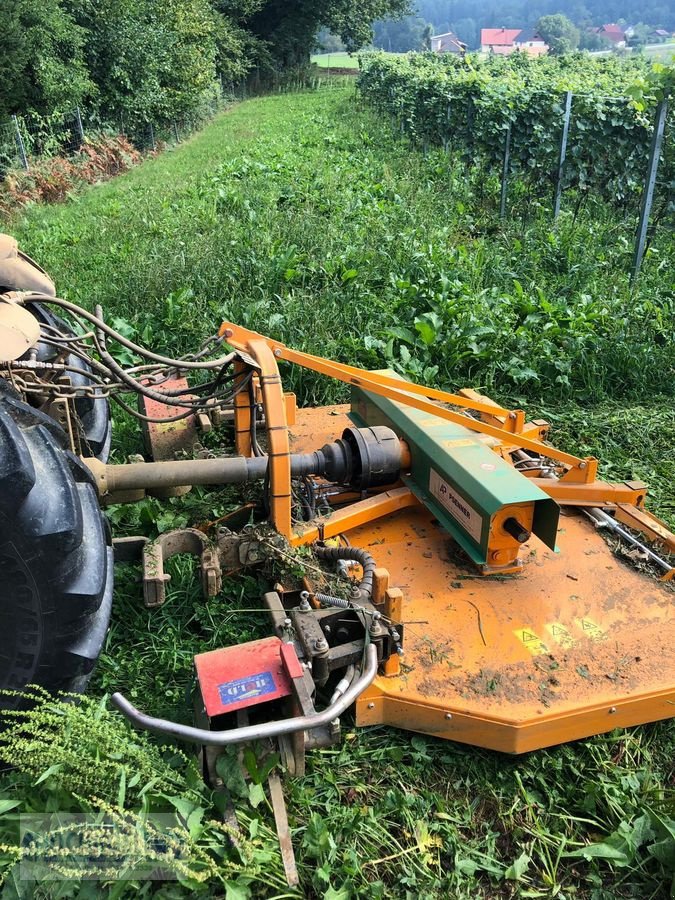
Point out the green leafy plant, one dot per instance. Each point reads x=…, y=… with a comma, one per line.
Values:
x=468, y=105
x=69, y=756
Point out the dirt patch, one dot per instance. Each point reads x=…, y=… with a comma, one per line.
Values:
x=586, y=670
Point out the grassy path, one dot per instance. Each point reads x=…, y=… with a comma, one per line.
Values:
x=301, y=216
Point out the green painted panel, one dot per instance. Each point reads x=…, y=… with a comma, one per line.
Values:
x=456, y=474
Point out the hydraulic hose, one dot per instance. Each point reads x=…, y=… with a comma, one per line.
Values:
x=362, y=557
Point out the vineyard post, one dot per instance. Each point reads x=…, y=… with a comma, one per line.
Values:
x=78, y=122
x=469, y=130
x=446, y=136
x=505, y=172
x=563, y=154
x=650, y=183
x=20, y=144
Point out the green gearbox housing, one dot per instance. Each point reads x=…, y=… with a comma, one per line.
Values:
x=456, y=475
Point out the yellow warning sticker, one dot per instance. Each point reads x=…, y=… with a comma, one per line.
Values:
x=591, y=629
x=460, y=442
x=560, y=634
x=531, y=641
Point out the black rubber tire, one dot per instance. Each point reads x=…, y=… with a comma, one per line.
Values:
x=94, y=414
x=55, y=556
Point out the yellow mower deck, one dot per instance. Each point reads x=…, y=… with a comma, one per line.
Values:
x=577, y=644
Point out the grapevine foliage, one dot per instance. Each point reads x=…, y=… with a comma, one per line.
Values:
x=467, y=105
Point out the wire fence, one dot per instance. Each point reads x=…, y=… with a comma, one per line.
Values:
x=643, y=160
x=27, y=139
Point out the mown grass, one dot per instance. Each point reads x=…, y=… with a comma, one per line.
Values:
x=336, y=60
x=305, y=217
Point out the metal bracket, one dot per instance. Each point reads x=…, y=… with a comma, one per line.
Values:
x=60, y=410
x=232, y=552
x=183, y=540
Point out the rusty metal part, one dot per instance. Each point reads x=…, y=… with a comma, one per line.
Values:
x=232, y=552
x=19, y=330
x=167, y=440
x=63, y=412
x=183, y=540
x=283, y=830
x=129, y=549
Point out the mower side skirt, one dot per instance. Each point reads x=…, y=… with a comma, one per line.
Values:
x=380, y=706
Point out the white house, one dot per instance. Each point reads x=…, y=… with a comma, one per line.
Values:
x=447, y=43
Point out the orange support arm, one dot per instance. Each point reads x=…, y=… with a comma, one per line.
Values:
x=411, y=395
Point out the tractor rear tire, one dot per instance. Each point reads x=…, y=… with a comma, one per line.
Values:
x=56, y=557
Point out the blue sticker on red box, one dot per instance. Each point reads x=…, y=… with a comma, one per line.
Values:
x=248, y=688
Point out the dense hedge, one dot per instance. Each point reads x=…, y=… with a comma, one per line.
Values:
x=468, y=104
x=155, y=60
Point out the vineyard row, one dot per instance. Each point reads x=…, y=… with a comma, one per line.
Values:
x=597, y=126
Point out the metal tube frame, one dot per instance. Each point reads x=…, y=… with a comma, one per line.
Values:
x=253, y=732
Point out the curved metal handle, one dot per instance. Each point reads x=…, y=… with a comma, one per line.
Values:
x=252, y=732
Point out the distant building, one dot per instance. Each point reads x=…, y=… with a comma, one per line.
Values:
x=504, y=41
x=613, y=33
x=529, y=41
x=447, y=43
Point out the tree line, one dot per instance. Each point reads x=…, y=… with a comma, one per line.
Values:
x=154, y=60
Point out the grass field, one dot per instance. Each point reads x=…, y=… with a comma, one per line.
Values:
x=336, y=60
x=662, y=52
x=304, y=217
x=659, y=52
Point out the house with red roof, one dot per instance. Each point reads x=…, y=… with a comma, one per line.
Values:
x=612, y=32
x=504, y=41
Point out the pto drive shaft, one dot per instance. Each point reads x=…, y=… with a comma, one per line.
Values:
x=363, y=458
